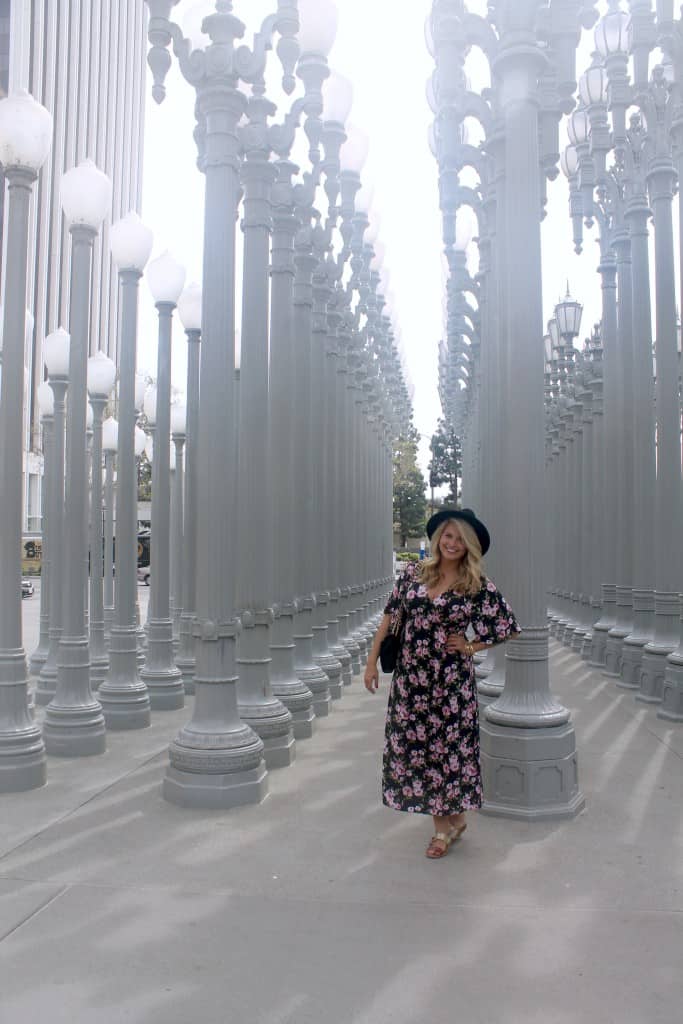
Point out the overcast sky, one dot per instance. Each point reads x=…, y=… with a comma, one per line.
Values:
x=380, y=48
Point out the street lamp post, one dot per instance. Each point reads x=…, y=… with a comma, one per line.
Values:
x=110, y=442
x=124, y=696
x=56, y=356
x=74, y=724
x=525, y=725
x=292, y=691
x=163, y=679
x=216, y=760
x=101, y=376
x=25, y=136
x=179, y=565
x=190, y=313
x=46, y=405
x=257, y=704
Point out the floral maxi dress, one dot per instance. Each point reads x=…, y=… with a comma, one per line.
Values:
x=431, y=749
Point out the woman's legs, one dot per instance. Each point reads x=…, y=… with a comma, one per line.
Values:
x=452, y=827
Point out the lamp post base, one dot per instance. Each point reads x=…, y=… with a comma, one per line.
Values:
x=530, y=774
x=672, y=689
x=216, y=770
x=22, y=750
x=74, y=732
x=215, y=792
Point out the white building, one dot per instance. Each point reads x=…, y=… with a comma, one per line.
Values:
x=85, y=61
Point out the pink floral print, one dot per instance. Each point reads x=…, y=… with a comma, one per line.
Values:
x=431, y=749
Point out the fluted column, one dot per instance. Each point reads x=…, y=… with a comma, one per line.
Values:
x=668, y=508
x=525, y=726
x=215, y=760
x=185, y=659
x=124, y=696
x=22, y=753
x=74, y=723
x=99, y=659
x=624, y=458
x=47, y=681
x=286, y=684
x=258, y=705
x=160, y=673
x=610, y=440
x=39, y=655
x=305, y=262
x=641, y=401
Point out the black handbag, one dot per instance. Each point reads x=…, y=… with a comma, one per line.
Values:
x=391, y=645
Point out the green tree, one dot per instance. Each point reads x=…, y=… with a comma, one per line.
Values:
x=144, y=478
x=446, y=462
x=410, y=503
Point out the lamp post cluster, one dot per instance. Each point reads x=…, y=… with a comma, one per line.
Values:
x=599, y=526
x=271, y=534
x=292, y=456
x=623, y=165
x=491, y=359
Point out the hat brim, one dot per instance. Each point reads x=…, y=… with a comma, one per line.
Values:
x=466, y=516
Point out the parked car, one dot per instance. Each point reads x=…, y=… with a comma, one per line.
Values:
x=27, y=588
x=144, y=574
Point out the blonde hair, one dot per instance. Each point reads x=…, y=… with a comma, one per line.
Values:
x=470, y=570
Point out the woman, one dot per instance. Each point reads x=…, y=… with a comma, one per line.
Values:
x=431, y=750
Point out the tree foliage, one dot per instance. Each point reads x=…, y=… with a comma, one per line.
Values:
x=409, y=488
x=445, y=466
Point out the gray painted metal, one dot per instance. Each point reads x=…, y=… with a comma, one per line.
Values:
x=124, y=695
x=22, y=753
x=74, y=724
x=160, y=673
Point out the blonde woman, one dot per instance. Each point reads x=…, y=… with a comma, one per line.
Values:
x=431, y=750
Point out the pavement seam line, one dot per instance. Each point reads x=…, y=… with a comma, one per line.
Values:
x=34, y=913
x=84, y=803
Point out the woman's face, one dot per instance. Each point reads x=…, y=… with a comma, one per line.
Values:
x=451, y=545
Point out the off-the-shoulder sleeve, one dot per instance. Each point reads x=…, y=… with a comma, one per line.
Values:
x=493, y=620
x=401, y=585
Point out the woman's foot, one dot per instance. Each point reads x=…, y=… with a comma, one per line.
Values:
x=457, y=825
x=438, y=845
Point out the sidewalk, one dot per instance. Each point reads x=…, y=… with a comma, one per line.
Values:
x=318, y=906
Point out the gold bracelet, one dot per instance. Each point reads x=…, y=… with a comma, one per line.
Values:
x=469, y=650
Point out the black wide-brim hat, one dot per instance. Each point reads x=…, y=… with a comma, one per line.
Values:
x=467, y=516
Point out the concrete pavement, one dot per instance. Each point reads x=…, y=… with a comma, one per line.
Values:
x=318, y=905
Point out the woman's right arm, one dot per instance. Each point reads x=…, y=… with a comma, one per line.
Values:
x=371, y=677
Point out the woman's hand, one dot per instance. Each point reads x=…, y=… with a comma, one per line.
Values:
x=457, y=644
x=371, y=677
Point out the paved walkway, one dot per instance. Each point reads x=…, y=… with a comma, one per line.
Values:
x=318, y=907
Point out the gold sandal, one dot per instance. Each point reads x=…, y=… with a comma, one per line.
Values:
x=434, y=852
x=447, y=838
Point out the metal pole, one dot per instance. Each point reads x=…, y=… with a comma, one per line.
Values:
x=525, y=725
x=99, y=659
x=257, y=704
x=286, y=684
x=215, y=760
x=185, y=659
x=159, y=673
x=47, y=681
x=74, y=723
x=124, y=696
x=39, y=656
x=22, y=753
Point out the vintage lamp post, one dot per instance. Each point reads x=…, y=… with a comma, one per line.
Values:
x=166, y=278
x=74, y=724
x=56, y=357
x=25, y=137
x=101, y=378
x=190, y=313
x=46, y=405
x=124, y=696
